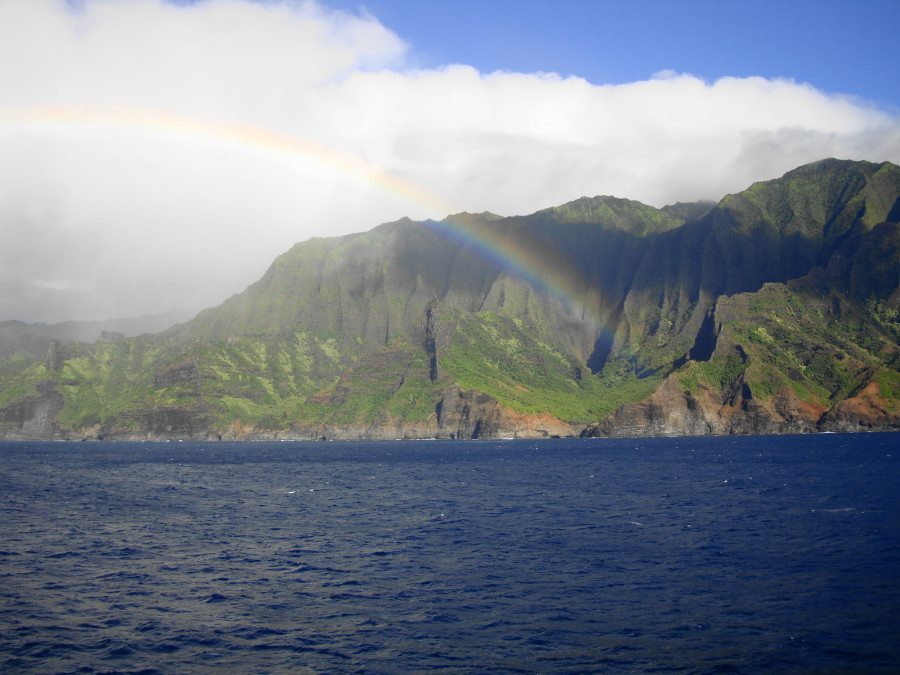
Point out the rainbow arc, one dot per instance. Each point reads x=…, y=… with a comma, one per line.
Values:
x=515, y=254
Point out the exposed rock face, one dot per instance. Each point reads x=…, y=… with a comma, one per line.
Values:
x=33, y=416
x=667, y=412
x=784, y=414
x=57, y=354
x=162, y=423
x=867, y=411
x=459, y=415
x=671, y=411
x=186, y=373
x=764, y=311
x=468, y=414
x=473, y=414
x=433, y=338
x=166, y=423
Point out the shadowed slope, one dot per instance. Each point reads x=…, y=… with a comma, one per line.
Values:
x=479, y=325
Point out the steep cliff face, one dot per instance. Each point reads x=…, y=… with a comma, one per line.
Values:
x=33, y=416
x=376, y=286
x=460, y=415
x=474, y=414
x=774, y=231
x=163, y=423
x=669, y=411
x=808, y=355
x=777, y=310
x=675, y=411
x=869, y=410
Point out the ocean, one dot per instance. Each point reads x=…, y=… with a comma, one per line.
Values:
x=773, y=554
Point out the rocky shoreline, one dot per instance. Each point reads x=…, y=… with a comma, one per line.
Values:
x=670, y=411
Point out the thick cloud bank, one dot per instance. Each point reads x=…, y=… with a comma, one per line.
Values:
x=157, y=155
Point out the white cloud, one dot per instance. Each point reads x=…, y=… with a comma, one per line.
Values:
x=155, y=155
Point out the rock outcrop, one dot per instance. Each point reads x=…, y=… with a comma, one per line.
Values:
x=667, y=412
x=674, y=411
x=33, y=416
x=867, y=411
x=775, y=311
x=473, y=414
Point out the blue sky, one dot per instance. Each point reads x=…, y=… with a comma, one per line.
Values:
x=181, y=146
x=840, y=46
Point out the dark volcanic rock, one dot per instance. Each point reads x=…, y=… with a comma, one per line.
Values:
x=673, y=411
x=753, y=317
x=162, y=423
x=667, y=412
x=468, y=414
x=33, y=416
x=186, y=373
x=867, y=411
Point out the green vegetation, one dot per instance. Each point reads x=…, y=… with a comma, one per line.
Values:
x=802, y=339
x=494, y=354
x=374, y=329
x=19, y=378
x=490, y=353
x=389, y=386
x=719, y=373
x=622, y=214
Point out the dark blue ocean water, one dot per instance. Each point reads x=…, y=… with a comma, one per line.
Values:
x=707, y=555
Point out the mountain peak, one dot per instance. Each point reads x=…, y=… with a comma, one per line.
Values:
x=613, y=213
x=779, y=304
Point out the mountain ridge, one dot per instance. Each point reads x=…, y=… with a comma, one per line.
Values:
x=19, y=339
x=632, y=320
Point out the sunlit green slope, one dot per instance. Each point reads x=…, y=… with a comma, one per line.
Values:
x=784, y=295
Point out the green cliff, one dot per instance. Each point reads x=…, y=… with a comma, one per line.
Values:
x=775, y=310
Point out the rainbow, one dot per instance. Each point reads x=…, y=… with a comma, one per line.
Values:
x=525, y=258
x=242, y=135
x=521, y=257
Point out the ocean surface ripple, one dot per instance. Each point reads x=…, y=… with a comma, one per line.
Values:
x=696, y=555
